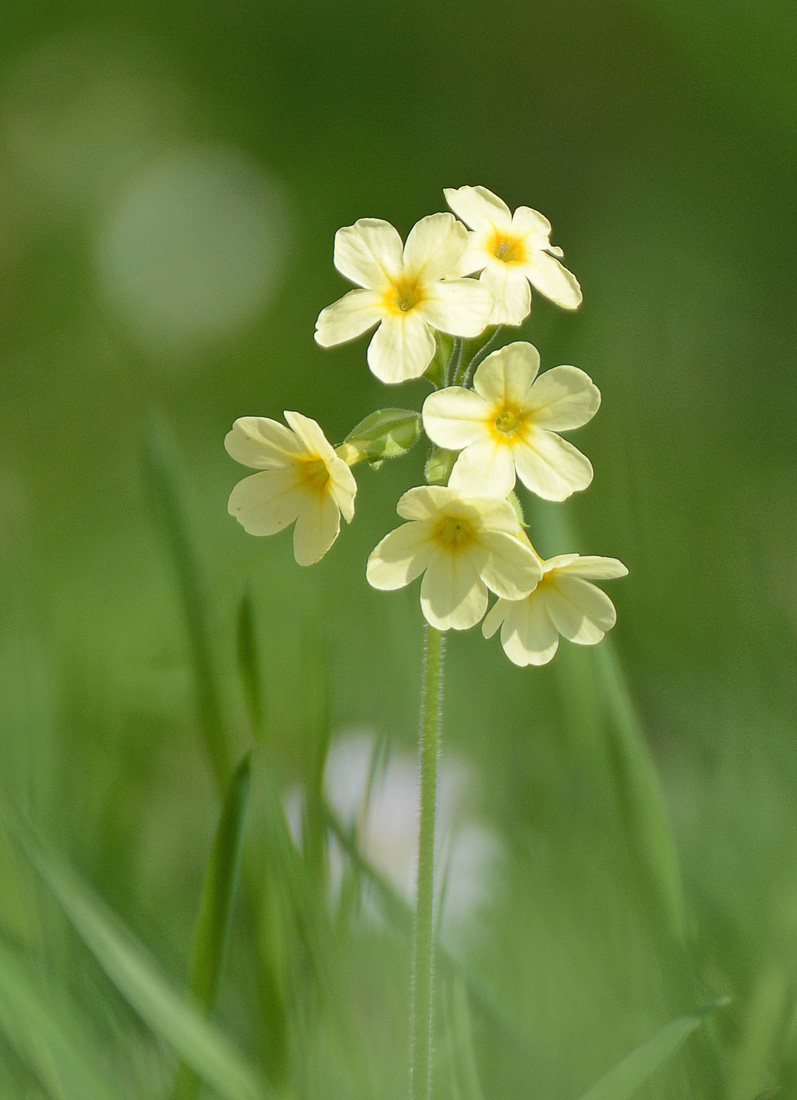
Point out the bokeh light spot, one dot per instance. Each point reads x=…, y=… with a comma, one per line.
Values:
x=194, y=248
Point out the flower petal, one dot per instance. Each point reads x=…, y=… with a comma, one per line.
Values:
x=594, y=568
x=262, y=444
x=342, y=487
x=512, y=570
x=265, y=503
x=423, y=502
x=564, y=398
x=506, y=375
x=553, y=280
x=485, y=468
x=579, y=610
x=476, y=256
x=461, y=307
x=401, y=348
x=452, y=595
x=550, y=466
x=455, y=417
x=494, y=617
x=348, y=318
x=559, y=561
x=511, y=290
x=317, y=527
x=369, y=253
x=433, y=247
x=478, y=207
x=400, y=557
x=525, y=221
x=497, y=515
x=310, y=435
x=529, y=637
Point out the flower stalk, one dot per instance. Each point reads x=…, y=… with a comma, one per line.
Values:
x=431, y=721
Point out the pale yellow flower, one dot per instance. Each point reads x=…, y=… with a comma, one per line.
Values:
x=463, y=545
x=302, y=479
x=508, y=424
x=564, y=602
x=511, y=251
x=406, y=292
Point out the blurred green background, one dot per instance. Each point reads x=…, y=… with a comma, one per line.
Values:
x=171, y=180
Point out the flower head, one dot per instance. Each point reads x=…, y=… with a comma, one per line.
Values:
x=511, y=251
x=464, y=545
x=564, y=602
x=405, y=291
x=302, y=479
x=508, y=423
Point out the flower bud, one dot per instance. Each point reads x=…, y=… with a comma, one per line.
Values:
x=386, y=433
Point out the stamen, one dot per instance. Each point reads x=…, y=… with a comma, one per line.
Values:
x=405, y=300
x=507, y=250
x=509, y=422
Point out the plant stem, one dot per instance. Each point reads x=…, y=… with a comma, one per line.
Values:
x=455, y=362
x=431, y=720
x=481, y=354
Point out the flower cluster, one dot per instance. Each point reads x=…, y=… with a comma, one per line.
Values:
x=438, y=302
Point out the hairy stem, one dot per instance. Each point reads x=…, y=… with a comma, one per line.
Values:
x=431, y=720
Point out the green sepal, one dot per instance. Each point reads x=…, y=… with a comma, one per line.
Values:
x=514, y=500
x=439, y=465
x=386, y=433
x=436, y=371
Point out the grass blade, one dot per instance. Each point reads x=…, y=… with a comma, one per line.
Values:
x=138, y=978
x=32, y=1026
x=464, y=1071
x=622, y=1082
x=248, y=663
x=634, y=782
x=168, y=496
x=216, y=909
x=643, y=810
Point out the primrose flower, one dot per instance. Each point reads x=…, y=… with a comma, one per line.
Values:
x=301, y=479
x=508, y=424
x=405, y=291
x=464, y=545
x=564, y=602
x=511, y=251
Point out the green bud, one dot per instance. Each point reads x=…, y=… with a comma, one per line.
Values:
x=386, y=433
x=439, y=465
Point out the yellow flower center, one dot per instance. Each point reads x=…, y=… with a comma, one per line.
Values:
x=508, y=250
x=508, y=424
x=405, y=301
x=314, y=474
x=454, y=533
x=402, y=297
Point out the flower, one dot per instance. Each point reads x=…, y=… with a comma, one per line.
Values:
x=564, y=602
x=302, y=479
x=508, y=423
x=465, y=545
x=511, y=251
x=404, y=293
